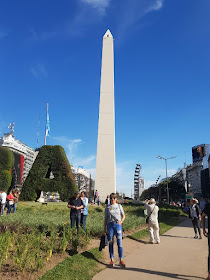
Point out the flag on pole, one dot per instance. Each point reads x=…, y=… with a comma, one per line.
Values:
x=47, y=127
x=47, y=123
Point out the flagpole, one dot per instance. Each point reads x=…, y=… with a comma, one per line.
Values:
x=37, y=142
x=45, y=138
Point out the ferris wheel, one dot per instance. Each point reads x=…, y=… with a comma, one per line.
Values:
x=136, y=181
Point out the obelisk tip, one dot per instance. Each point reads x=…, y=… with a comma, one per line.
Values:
x=108, y=34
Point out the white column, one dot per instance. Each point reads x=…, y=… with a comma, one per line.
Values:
x=105, y=182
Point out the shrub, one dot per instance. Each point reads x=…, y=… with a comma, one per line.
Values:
x=6, y=164
x=50, y=159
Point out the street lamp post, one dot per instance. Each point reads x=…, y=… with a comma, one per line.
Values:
x=159, y=157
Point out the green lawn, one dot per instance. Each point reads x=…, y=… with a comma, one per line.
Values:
x=37, y=231
x=54, y=215
x=86, y=265
x=78, y=267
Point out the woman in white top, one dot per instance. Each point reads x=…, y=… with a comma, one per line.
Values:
x=3, y=200
x=84, y=211
x=114, y=217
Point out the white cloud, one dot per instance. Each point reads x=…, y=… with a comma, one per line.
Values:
x=73, y=153
x=39, y=71
x=155, y=6
x=148, y=183
x=99, y=5
x=126, y=16
x=132, y=12
x=89, y=13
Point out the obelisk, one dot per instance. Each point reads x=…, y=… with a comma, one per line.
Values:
x=105, y=181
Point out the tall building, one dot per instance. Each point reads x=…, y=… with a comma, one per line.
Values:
x=105, y=181
x=193, y=176
x=26, y=154
x=83, y=180
x=141, y=185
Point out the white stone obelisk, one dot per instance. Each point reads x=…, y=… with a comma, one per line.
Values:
x=105, y=181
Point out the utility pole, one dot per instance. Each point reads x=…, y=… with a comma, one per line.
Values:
x=159, y=157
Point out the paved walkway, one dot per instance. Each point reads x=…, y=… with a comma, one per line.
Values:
x=178, y=256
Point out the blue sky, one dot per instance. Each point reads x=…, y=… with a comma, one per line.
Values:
x=51, y=52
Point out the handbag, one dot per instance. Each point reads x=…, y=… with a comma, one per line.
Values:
x=103, y=242
x=147, y=218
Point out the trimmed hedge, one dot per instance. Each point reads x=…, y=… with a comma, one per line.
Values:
x=165, y=213
x=6, y=164
x=50, y=159
x=6, y=159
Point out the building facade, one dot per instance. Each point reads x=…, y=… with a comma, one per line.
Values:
x=191, y=175
x=83, y=180
x=27, y=154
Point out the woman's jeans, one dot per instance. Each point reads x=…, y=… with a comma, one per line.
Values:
x=14, y=207
x=196, y=226
x=9, y=207
x=115, y=229
x=83, y=221
x=2, y=208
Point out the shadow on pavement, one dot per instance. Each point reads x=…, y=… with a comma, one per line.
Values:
x=138, y=240
x=160, y=273
x=89, y=255
x=168, y=235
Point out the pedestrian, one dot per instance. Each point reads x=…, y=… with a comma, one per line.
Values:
x=195, y=216
x=10, y=202
x=107, y=201
x=16, y=196
x=114, y=218
x=75, y=204
x=98, y=200
x=84, y=211
x=202, y=204
x=206, y=212
x=153, y=226
x=3, y=199
x=95, y=196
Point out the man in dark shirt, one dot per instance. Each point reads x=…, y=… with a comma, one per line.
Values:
x=206, y=212
x=75, y=204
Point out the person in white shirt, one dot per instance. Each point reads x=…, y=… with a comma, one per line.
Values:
x=153, y=226
x=3, y=200
x=84, y=211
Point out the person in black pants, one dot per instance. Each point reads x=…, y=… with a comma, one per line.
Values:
x=206, y=212
x=195, y=216
x=75, y=204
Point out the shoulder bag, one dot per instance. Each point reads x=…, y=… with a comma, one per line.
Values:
x=147, y=218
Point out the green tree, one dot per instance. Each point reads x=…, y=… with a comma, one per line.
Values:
x=176, y=190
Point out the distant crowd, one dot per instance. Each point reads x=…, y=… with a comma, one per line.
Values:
x=9, y=201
